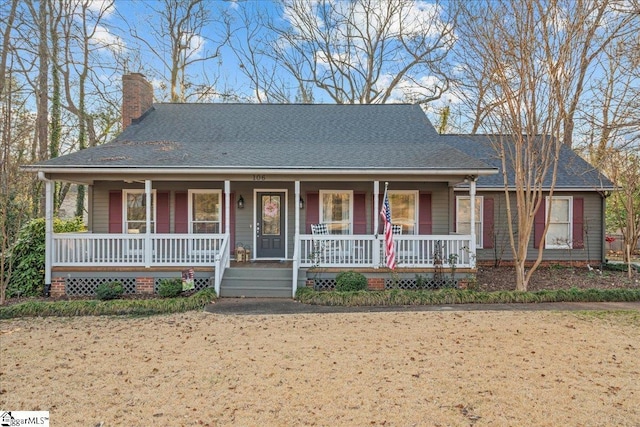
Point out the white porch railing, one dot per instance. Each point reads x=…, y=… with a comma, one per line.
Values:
x=88, y=249
x=359, y=251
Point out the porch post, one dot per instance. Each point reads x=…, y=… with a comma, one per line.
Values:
x=148, y=250
x=48, y=242
x=227, y=222
x=296, y=239
x=376, y=219
x=472, y=202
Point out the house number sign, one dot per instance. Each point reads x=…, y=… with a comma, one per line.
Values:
x=259, y=177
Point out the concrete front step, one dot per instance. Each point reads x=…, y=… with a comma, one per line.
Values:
x=257, y=283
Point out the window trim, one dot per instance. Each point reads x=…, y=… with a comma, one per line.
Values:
x=479, y=218
x=190, y=194
x=547, y=243
x=154, y=205
x=321, y=193
x=416, y=207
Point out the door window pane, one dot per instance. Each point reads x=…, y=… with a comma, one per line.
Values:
x=335, y=211
x=270, y=215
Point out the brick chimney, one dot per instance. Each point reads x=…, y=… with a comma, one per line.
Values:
x=137, y=97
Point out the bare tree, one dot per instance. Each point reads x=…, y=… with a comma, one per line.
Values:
x=624, y=170
x=578, y=33
x=363, y=51
x=612, y=132
x=534, y=52
x=177, y=27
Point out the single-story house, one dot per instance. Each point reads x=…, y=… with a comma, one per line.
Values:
x=299, y=188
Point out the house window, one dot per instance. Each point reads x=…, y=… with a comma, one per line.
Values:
x=336, y=210
x=404, y=209
x=204, y=211
x=135, y=211
x=463, y=217
x=560, y=227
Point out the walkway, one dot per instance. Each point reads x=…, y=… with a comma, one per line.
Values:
x=266, y=306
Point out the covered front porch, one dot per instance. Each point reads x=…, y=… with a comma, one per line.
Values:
x=146, y=250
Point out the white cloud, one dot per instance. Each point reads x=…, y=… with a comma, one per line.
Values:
x=422, y=87
x=195, y=45
x=103, y=38
x=105, y=8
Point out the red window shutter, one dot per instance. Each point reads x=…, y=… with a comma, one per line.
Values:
x=313, y=210
x=538, y=224
x=182, y=212
x=487, y=223
x=359, y=213
x=115, y=211
x=578, y=223
x=424, y=214
x=162, y=211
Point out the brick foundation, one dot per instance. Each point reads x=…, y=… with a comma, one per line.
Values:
x=144, y=285
x=58, y=287
x=375, y=283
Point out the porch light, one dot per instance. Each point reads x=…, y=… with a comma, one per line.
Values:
x=240, y=203
x=301, y=203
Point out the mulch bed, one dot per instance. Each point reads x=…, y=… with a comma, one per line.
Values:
x=556, y=277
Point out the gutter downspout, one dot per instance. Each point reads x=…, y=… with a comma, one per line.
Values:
x=48, y=227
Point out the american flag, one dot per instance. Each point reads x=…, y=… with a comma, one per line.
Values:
x=389, y=250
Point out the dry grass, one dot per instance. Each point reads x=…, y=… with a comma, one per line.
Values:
x=406, y=368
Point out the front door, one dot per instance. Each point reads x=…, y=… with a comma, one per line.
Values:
x=270, y=233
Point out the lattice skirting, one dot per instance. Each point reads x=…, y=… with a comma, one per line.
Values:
x=86, y=286
x=419, y=283
x=416, y=283
x=80, y=286
x=199, y=283
x=324, y=284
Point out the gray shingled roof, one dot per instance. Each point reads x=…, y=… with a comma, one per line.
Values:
x=573, y=170
x=237, y=136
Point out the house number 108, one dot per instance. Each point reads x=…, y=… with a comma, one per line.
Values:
x=259, y=177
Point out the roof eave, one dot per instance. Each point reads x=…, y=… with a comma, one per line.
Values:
x=133, y=170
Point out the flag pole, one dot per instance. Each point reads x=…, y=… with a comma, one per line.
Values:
x=386, y=187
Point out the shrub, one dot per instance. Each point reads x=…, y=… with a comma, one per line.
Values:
x=143, y=307
x=111, y=290
x=27, y=275
x=170, y=288
x=349, y=281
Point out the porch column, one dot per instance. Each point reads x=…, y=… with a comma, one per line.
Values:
x=48, y=242
x=472, y=202
x=376, y=219
x=148, y=250
x=227, y=208
x=296, y=240
x=227, y=223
